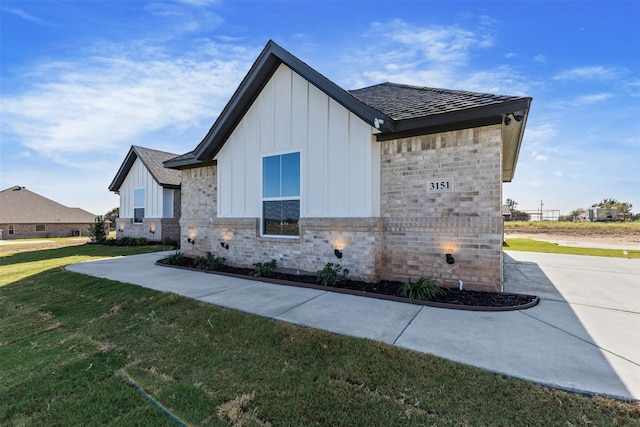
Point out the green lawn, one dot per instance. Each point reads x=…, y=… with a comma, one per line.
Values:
x=530, y=245
x=64, y=337
x=20, y=265
x=606, y=227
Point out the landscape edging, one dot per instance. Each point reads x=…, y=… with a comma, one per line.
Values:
x=435, y=304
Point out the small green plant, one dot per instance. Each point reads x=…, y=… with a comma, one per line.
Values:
x=153, y=316
x=426, y=289
x=168, y=241
x=141, y=241
x=332, y=274
x=97, y=232
x=209, y=262
x=173, y=259
x=265, y=269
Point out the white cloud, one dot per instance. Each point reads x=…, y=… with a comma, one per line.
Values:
x=558, y=174
x=541, y=158
x=24, y=15
x=592, y=98
x=199, y=3
x=434, y=43
x=103, y=102
x=589, y=73
x=434, y=56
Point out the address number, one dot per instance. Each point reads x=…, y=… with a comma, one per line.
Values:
x=440, y=185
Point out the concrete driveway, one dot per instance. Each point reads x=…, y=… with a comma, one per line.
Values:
x=583, y=336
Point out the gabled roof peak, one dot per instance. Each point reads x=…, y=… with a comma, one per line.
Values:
x=153, y=160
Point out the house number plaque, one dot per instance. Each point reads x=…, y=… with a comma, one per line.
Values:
x=439, y=186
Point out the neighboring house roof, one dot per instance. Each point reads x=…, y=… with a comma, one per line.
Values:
x=153, y=160
x=21, y=206
x=395, y=110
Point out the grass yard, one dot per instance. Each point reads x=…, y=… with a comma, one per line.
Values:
x=530, y=245
x=64, y=337
x=608, y=227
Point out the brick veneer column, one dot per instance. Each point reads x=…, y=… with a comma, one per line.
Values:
x=421, y=225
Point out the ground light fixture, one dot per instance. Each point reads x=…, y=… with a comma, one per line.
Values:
x=450, y=259
x=337, y=253
x=224, y=245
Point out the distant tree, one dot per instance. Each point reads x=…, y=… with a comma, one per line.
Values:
x=112, y=215
x=516, y=215
x=512, y=204
x=97, y=232
x=622, y=207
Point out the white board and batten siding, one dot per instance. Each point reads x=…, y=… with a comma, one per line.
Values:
x=340, y=175
x=158, y=201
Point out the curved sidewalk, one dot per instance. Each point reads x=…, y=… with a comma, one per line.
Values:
x=583, y=336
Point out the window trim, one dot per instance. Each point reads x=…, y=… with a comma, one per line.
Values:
x=11, y=230
x=139, y=207
x=279, y=198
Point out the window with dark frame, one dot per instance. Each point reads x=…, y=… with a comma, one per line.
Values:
x=11, y=229
x=40, y=227
x=138, y=205
x=281, y=195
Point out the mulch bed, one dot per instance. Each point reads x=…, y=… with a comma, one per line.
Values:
x=385, y=289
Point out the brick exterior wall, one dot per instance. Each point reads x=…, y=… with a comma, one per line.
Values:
x=416, y=228
x=154, y=229
x=199, y=209
x=28, y=231
x=420, y=226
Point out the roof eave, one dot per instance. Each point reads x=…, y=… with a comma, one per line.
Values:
x=123, y=171
x=186, y=163
x=512, y=141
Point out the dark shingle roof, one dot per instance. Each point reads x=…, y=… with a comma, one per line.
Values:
x=21, y=206
x=153, y=161
x=402, y=102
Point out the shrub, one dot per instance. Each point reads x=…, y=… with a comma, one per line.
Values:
x=332, y=274
x=141, y=241
x=168, y=241
x=265, y=269
x=426, y=289
x=97, y=232
x=209, y=262
x=173, y=259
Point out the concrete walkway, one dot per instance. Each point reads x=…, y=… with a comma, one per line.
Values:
x=583, y=336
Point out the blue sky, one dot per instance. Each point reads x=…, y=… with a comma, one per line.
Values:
x=82, y=81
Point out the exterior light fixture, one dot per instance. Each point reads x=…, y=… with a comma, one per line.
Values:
x=337, y=253
x=224, y=245
x=516, y=117
x=450, y=259
x=152, y=228
x=121, y=226
x=190, y=240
